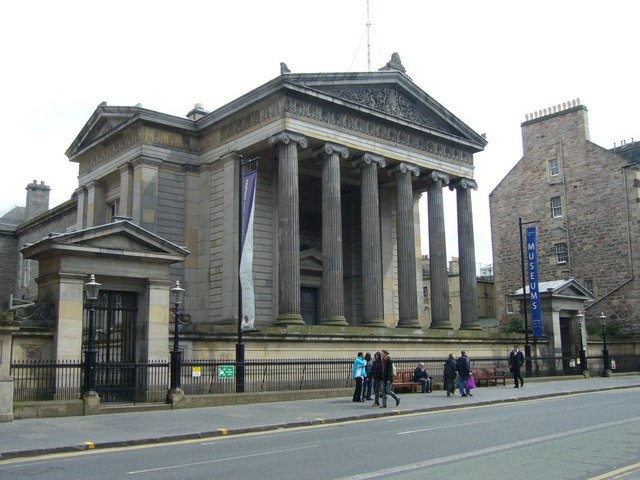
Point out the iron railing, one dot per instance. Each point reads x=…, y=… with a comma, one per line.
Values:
x=148, y=382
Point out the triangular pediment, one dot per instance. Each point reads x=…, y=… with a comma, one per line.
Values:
x=391, y=95
x=311, y=260
x=568, y=288
x=118, y=238
x=104, y=122
x=395, y=102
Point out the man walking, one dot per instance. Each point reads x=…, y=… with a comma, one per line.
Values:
x=463, y=366
x=387, y=380
x=450, y=375
x=516, y=359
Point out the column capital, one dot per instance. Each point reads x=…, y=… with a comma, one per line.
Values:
x=403, y=167
x=370, y=158
x=287, y=138
x=329, y=148
x=436, y=176
x=464, y=184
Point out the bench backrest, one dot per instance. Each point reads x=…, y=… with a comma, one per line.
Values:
x=484, y=371
x=404, y=376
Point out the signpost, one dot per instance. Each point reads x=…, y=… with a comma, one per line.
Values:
x=226, y=371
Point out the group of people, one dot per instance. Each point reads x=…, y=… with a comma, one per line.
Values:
x=377, y=374
x=374, y=375
x=460, y=368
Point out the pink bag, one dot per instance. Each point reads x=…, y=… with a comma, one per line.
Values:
x=470, y=383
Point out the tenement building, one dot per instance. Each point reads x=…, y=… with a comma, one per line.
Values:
x=340, y=162
x=583, y=201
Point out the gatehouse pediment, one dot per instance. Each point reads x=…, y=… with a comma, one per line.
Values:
x=121, y=238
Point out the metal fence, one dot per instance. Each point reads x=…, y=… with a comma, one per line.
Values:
x=148, y=382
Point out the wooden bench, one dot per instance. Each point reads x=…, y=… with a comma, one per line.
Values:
x=404, y=380
x=488, y=376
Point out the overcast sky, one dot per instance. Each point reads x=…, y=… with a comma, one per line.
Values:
x=488, y=62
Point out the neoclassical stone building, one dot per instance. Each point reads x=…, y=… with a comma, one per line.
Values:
x=341, y=161
x=583, y=200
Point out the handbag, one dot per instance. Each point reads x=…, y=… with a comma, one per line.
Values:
x=470, y=384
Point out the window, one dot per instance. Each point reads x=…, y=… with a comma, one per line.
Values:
x=588, y=284
x=554, y=167
x=113, y=209
x=508, y=301
x=25, y=272
x=562, y=254
x=556, y=207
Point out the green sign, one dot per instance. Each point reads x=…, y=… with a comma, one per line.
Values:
x=226, y=371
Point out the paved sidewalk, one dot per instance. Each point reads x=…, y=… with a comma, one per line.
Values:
x=23, y=438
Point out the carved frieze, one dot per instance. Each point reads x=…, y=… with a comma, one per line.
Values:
x=131, y=137
x=101, y=154
x=365, y=126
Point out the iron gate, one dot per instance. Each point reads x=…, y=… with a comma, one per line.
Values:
x=115, y=341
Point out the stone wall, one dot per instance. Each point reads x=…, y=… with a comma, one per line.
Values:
x=597, y=221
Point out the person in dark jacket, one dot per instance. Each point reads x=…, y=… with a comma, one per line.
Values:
x=450, y=375
x=368, y=381
x=376, y=372
x=421, y=375
x=516, y=359
x=463, y=367
x=387, y=380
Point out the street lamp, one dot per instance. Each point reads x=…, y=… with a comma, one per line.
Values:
x=176, y=296
x=583, y=354
x=606, y=367
x=91, y=288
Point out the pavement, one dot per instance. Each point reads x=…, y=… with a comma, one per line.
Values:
x=42, y=436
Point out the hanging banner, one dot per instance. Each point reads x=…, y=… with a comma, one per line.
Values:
x=534, y=294
x=246, y=249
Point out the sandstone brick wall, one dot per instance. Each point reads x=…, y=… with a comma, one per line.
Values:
x=595, y=223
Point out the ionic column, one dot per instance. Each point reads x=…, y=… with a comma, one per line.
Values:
x=332, y=269
x=372, y=300
x=286, y=145
x=467, y=254
x=407, y=285
x=438, y=252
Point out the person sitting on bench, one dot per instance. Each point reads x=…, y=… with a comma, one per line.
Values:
x=422, y=376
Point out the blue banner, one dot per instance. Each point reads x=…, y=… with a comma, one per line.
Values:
x=534, y=294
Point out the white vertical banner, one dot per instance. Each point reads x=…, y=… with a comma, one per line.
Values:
x=246, y=255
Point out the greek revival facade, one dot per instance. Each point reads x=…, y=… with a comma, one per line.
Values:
x=341, y=160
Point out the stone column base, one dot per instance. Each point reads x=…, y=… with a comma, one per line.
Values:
x=6, y=399
x=91, y=401
x=176, y=398
x=335, y=321
x=289, y=319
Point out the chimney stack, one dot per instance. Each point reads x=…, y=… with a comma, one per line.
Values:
x=37, y=199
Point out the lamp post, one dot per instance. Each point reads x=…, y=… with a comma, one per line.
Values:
x=241, y=211
x=606, y=367
x=527, y=347
x=583, y=354
x=176, y=296
x=92, y=288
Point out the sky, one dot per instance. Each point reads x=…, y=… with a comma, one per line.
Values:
x=488, y=62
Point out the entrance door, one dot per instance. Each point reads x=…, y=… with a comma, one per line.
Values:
x=309, y=305
x=567, y=347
